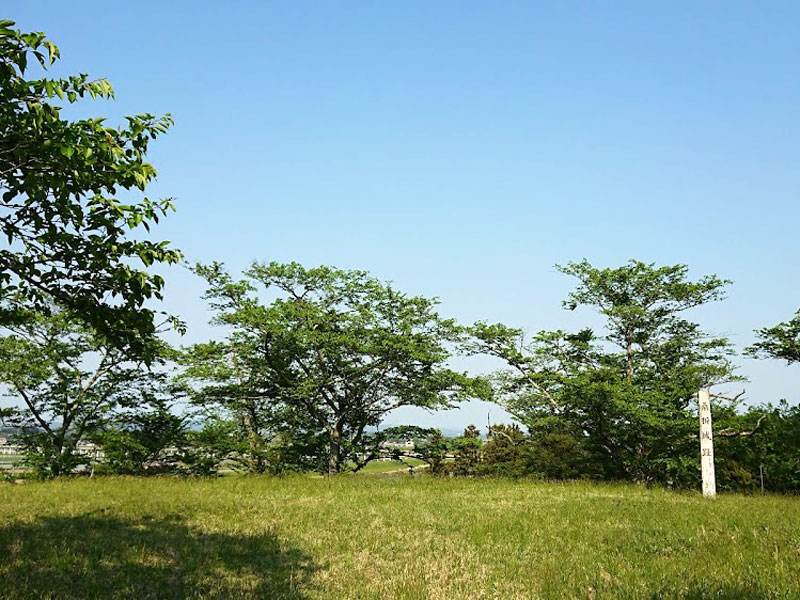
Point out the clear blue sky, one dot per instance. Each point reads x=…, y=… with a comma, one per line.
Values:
x=461, y=149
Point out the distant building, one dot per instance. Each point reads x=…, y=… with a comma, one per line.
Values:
x=89, y=449
x=398, y=445
x=7, y=448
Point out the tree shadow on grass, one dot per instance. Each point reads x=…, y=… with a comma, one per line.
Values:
x=97, y=556
x=723, y=592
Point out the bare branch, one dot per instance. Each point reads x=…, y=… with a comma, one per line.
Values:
x=728, y=398
x=731, y=433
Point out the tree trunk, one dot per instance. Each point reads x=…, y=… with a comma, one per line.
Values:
x=57, y=457
x=629, y=354
x=335, y=456
x=253, y=439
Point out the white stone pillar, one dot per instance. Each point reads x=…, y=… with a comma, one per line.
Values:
x=706, y=444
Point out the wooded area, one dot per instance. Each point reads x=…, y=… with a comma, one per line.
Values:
x=310, y=360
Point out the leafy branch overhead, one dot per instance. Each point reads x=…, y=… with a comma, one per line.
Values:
x=66, y=233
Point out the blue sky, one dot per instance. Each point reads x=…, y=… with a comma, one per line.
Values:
x=461, y=149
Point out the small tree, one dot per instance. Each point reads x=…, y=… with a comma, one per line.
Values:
x=218, y=442
x=148, y=438
x=466, y=451
x=67, y=235
x=507, y=452
x=69, y=380
x=326, y=359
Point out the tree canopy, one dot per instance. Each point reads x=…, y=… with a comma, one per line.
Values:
x=331, y=354
x=69, y=380
x=626, y=395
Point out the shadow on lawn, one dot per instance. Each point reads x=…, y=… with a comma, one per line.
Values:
x=724, y=592
x=97, y=556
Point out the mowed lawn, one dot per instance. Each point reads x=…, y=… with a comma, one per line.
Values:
x=392, y=537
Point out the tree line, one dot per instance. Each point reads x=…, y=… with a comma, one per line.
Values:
x=309, y=361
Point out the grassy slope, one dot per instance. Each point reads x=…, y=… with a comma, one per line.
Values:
x=390, y=538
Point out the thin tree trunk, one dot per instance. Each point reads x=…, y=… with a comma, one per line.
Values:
x=253, y=439
x=57, y=460
x=335, y=456
x=629, y=354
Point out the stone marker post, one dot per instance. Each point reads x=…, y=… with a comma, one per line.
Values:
x=706, y=444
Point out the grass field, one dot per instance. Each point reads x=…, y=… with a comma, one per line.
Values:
x=391, y=537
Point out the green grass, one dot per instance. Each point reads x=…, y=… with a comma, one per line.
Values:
x=390, y=538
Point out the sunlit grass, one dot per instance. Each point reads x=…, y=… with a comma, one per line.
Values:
x=390, y=538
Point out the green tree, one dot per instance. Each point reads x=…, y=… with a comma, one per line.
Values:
x=781, y=341
x=507, y=452
x=326, y=359
x=230, y=383
x=218, y=442
x=627, y=396
x=149, y=437
x=69, y=381
x=68, y=237
x=765, y=444
x=466, y=451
